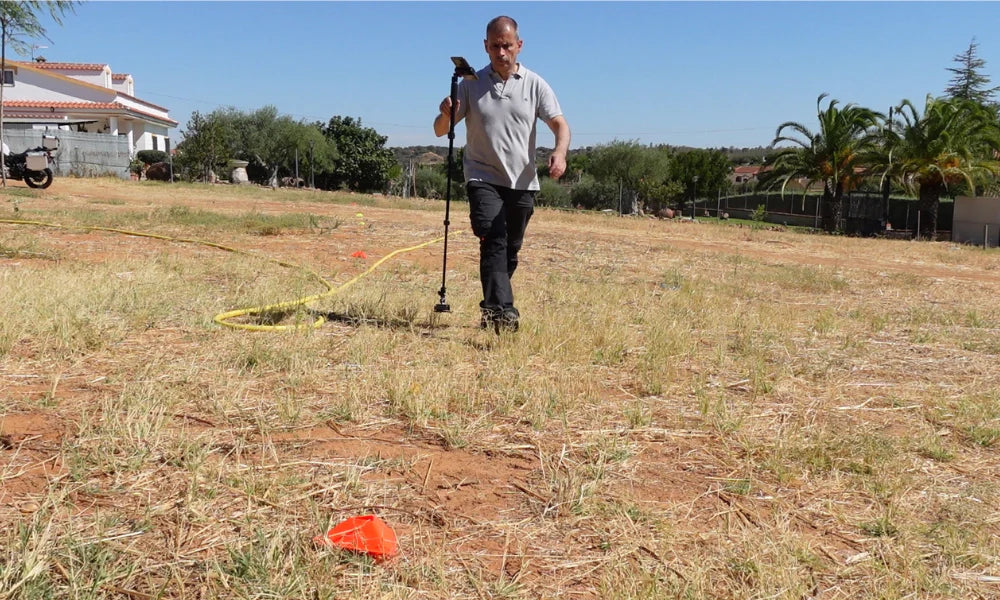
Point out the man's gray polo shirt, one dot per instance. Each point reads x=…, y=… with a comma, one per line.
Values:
x=501, y=123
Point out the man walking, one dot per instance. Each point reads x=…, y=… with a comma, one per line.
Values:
x=501, y=109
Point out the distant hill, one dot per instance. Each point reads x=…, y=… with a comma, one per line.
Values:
x=415, y=153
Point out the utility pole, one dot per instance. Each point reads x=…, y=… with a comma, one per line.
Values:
x=694, y=198
x=887, y=184
x=170, y=159
x=619, y=197
x=413, y=178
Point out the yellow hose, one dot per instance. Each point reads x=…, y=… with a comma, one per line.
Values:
x=224, y=318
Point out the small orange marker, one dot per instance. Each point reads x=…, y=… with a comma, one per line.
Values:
x=359, y=254
x=367, y=535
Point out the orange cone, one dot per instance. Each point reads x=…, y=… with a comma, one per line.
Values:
x=366, y=535
x=360, y=254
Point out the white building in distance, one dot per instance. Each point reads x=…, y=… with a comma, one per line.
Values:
x=82, y=97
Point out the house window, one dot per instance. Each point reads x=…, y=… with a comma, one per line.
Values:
x=8, y=77
x=155, y=143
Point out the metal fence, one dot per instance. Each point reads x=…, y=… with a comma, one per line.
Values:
x=80, y=154
x=977, y=233
x=864, y=212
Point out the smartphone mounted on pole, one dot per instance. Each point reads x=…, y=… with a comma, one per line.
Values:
x=463, y=69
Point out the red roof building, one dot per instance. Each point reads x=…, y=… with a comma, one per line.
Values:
x=82, y=97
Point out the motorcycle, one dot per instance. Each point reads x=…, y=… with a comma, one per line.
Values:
x=33, y=166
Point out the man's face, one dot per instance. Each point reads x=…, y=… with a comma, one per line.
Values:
x=503, y=47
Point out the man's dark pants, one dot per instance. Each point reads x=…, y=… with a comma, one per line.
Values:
x=499, y=217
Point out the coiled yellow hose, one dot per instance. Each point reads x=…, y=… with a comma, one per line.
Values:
x=224, y=318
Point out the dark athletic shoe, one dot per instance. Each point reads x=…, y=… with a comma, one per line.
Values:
x=489, y=319
x=508, y=320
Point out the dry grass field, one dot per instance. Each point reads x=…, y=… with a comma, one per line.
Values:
x=688, y=411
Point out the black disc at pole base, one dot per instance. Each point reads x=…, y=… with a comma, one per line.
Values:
x=441, y=307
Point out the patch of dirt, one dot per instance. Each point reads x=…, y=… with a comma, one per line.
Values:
x=457, y=483
x=18, y=428
x=29, y=445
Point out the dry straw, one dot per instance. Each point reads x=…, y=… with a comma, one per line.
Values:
x=689, y=410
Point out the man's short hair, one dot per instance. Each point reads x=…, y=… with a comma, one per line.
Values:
x=497, y=23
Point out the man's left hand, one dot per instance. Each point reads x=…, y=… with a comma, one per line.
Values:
x=557, y=165
x=557, y=160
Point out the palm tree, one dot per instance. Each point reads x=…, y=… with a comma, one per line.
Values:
x=832, y=156
x=955, y=140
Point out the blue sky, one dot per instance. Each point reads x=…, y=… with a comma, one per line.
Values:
x=702, y=74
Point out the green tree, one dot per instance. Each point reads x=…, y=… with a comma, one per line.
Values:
x=658, y=192
x=267, y=140
x=577, y=164
x=430, y=182
x=711, y=167
x=954, y=140
x=19, y=20
x=658, y=187
x=315, y=150
x=364, y=163
x=631, y=168
x=832, y=156
x=968, y=80
x=270, y=142
x=457, y=174
x=591, y=194
x=208, y=143
x=619, y=163
x=552, y=193
x=259, y=141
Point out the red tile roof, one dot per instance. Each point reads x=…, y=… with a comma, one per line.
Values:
x=119, y=76
x=8, y=115
x=52, y=106
x=150, y=104
x=49, y=104
x=65, y=66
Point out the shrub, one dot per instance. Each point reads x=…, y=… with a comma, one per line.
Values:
x=430, y=183
x=136, y=166
x=552, y=194
x=148, y=157
x=594, y=195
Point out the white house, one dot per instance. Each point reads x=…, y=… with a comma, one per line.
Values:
x=82, y=97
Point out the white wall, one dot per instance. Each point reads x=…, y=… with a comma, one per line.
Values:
x=126, y=87
x=976, y=221
x=101, y=78
x=140, y=137
x=29, y=85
